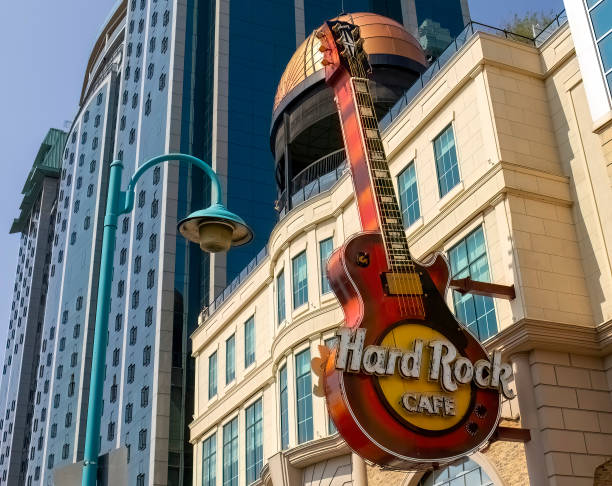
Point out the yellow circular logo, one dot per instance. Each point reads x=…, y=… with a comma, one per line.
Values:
x=420, y=401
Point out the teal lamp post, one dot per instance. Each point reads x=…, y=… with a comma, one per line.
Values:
x=215, y=229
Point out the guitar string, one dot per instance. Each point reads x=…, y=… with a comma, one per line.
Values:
x=378, y=182
x=389, y=208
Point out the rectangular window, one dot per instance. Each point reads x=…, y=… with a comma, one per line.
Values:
x=409, y=195
x=447, y=165
x=230, y=453
x=303, y=387
x=280, y=297
x=300, y=280
x=249, y=341
x=601, y=15
x=284, y=407
x=209, y=461
x=212, y=375
x=468, y=258
x=230, y=359
x=331, y=427
x=254, y=441
x=325, y=250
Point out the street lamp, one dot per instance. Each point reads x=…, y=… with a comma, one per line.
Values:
x=215, y=229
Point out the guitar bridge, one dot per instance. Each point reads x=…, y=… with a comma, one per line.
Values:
x=401, y=283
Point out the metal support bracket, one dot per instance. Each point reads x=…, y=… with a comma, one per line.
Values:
x=468, y=286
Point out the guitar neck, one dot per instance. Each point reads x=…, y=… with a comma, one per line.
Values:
x=389, y=213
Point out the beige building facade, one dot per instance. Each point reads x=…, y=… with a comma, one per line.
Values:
x=531, y=208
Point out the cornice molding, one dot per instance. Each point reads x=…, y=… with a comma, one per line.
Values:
x=528, y=334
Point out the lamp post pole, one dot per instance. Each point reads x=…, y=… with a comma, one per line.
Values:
x=118, y=203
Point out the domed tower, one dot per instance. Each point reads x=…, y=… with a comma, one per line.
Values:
x=305, y=135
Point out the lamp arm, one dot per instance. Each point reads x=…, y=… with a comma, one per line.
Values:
x=128, y=195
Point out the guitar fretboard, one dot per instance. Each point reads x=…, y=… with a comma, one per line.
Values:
x=389, y=212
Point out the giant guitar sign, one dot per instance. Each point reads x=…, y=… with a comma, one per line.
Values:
x=407, y=385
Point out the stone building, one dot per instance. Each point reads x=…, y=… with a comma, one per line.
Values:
x=497, y=165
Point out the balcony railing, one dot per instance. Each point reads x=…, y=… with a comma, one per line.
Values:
x=468, y=32
x=210, y=308
x=318, y=177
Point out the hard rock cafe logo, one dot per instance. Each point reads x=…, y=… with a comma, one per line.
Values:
x=431, y=362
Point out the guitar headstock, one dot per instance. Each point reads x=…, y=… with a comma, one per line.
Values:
x=342, y=48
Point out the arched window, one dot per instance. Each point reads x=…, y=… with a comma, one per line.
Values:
x=463, y=473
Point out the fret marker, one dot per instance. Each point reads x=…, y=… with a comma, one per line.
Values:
x=391, y=220
x=371, y=133
x=386, y=199
x=366, y=111
x=380, y=174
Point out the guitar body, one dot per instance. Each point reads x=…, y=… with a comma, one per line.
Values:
x=357, y=401
x=417, y=390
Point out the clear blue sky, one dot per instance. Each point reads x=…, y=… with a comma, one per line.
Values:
x=45, y=47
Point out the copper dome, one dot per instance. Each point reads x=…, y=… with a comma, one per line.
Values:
x=382, y=36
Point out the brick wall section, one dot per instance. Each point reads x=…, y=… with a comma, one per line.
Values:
x=380, y=477
x=574, y=410
x=508, y=458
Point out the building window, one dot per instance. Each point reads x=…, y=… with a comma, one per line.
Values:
x=409, y=195
x=146, y=356
x=86, y=222
x=139, y=230
x=465, y=472
x=73, y=359
x=137, y=264
x=142, y=439
x=209, y=461
x=125, y=224
x=133, y=334
x=166, y=17
x=230, y=359
x=249, y=342
x=325, y=250
x=131, y=372
x=116, y=357
x=135, y=299
x=284, y=407
x=144, y=396
x=128, y=413
x=447, y=165
x=601, y=13
x=50, y=461
x=154, y=19
x=142, y=198
x=154, y=208
x=68, y=419
x=92, y=166
x=280, y=297
x=254, y=441
x=212, y=375
x=140, y=479
x=122, y=256
x=150, y=279
x=300, y=280
x=111, y=431
x=230, y=453
x=152, y=243
x=149, y=316
x=162, y=78
x=53, y=430
x=147, y=109
x=468, y=258
x=152, y=45
x=118, y=321
x=303, y=388
x=156, y=175
x=150, y=70
x=136, y=76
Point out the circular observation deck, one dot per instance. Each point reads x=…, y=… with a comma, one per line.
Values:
x=305, y=135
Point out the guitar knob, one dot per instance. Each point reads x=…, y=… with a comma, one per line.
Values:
x=480, y=411
x=363, y=259
x=472, y=428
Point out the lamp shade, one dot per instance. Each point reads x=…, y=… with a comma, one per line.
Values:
x=215, y=229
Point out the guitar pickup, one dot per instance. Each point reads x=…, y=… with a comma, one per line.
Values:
x=401, y=283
